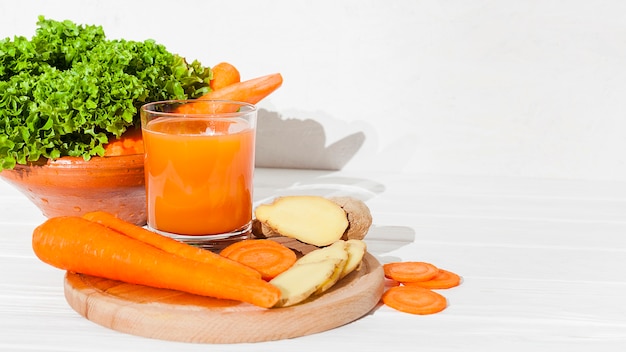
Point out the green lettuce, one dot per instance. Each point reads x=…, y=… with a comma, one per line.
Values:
x=68, y=90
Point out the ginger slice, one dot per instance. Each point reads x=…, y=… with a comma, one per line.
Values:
x=299, y=282
x=311, y=219
x=337, y=251
x=356, y=250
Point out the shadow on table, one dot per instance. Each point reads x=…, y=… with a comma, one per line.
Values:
x=311, y=182
x=384, y=239
x=381, y=239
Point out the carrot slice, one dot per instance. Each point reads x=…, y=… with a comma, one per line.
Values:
x=168, y=244
x=414, y=300
x=410, y=271
x=442, y=280
x=268, y=257
x=76, y=244
x=224, y=74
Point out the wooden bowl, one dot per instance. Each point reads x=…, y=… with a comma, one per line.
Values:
x=73, y=186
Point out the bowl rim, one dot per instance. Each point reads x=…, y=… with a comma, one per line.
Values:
x=115, y=161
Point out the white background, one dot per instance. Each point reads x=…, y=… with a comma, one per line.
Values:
x=501, y=88
x=487, y=137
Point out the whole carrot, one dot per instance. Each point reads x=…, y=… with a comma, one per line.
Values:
x=224, y=74
x=168, y=244
x=251, y=91
x=79, y=245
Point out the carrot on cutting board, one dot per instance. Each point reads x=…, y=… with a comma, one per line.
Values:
x=442, y=280
x=168, y=244
x=268, y=257
x=76, y=244
x=414, y=300
x=410, y=271
x=224, y=74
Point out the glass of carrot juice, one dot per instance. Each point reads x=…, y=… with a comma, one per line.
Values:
x=199, y=164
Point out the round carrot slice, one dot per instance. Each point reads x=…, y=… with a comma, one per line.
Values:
x=442, y=280
x=268, y=257
x=410, y=271
x=414, y=300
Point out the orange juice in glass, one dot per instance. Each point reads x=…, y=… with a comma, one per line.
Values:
x=199, y=165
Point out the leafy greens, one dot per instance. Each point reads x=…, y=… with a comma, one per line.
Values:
x=68, y=90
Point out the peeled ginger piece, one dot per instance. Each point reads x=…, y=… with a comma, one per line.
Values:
x=336, y=251
x=301, y=281
x=311, y=219
x=356, y=250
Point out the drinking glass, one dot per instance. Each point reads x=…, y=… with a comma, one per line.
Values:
x=199, y=165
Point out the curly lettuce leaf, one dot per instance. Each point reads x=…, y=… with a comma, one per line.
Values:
x=68, y=90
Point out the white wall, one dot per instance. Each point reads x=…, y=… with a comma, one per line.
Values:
x=510, y=88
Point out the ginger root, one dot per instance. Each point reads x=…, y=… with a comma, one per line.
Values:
x=359, y=217
x=314, y=220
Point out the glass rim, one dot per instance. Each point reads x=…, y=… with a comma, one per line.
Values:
x=248, y=108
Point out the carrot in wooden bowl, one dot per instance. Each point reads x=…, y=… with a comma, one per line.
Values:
x=130, y=142
x=251, y=91
x=224, y=74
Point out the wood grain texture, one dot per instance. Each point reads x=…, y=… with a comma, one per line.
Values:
x=177, y=316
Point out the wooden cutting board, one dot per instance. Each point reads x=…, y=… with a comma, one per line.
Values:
x=177, y=316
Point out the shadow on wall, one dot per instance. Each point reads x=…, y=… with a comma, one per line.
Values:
x=300, y=144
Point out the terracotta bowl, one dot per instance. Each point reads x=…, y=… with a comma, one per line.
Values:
x=73, y=186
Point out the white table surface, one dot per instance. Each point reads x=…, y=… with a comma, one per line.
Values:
x=543, y=263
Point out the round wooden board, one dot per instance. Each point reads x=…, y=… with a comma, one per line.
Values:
x=177, y=316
